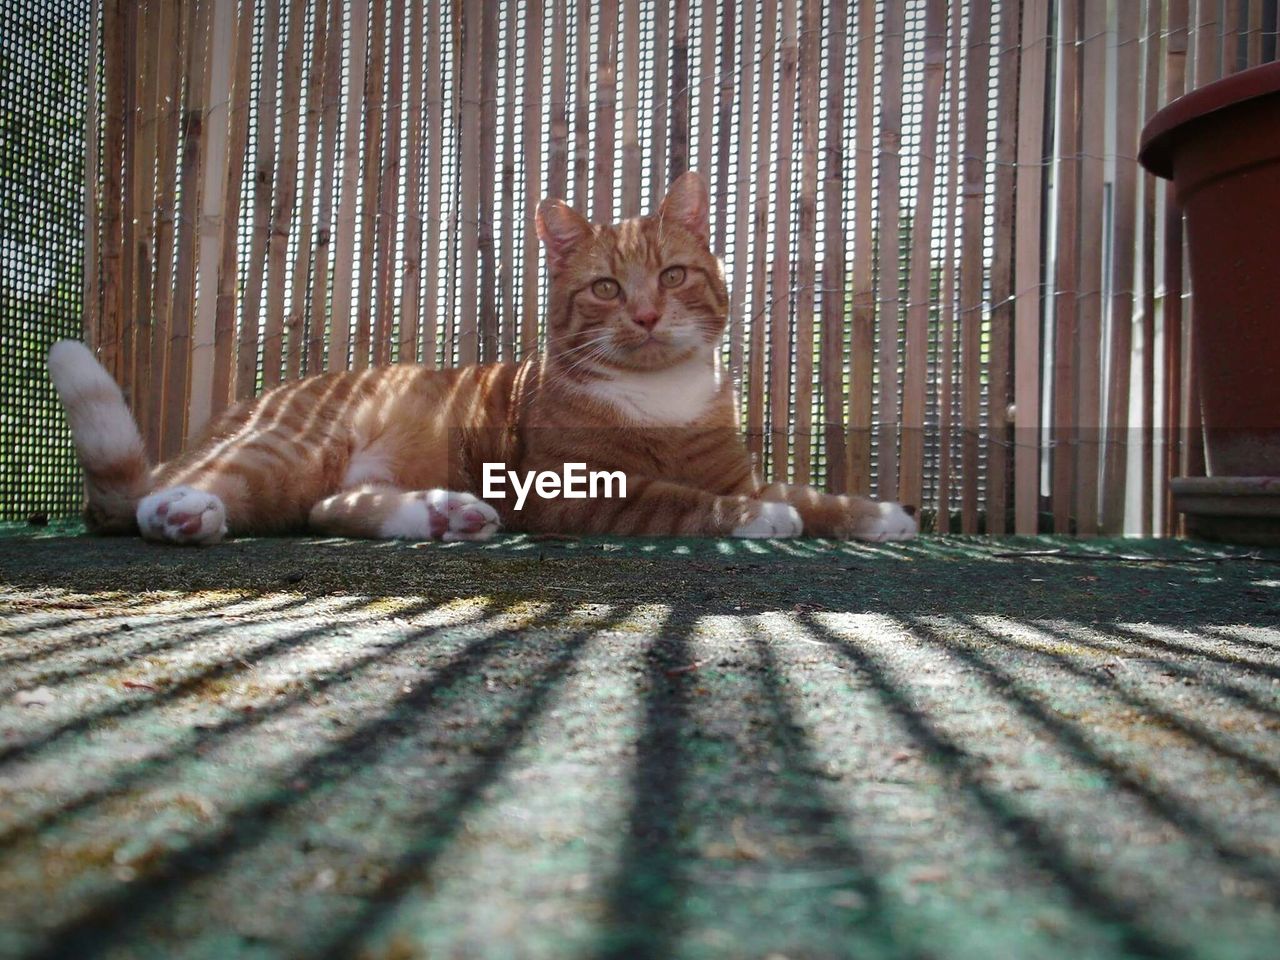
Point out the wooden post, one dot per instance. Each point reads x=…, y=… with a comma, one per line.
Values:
x=582, y=108
x=344, y=251
x=371, y=186
x=760, y=299
x=488, y=66
x=606, y=111
x=947, y=293
x=435, y=128
x=284, y=197
x=1065, y=426
x=114, y=28
x=727, y=83
x=411, y=292
x=213, y=191
x=389, y=191
x=1000, y=372
x=781, y=352
x=1027, y=292
x=742, y=209
x=678, y=157
x=1128, y=79
x=833, y=253
x=706, y=90
x=506, y=262
x=90, y=304
x=558, y=149
x=473, y=15
x=810, y=51
x=1151, y=103
x=890, y=200
x=920, y=269
x=1175, y=75
x=263, y=184
x=147, y=120
x=128, y=315
x=632, y=159
x=532, y=261
x=862, y=334
x=1093, y=143
x=332, y=87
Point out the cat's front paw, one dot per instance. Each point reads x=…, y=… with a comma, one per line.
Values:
x=775, y=519
x=889, y=521
x=182, y=515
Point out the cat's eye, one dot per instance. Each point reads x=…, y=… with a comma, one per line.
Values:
x=606, y=288
x=672, y=277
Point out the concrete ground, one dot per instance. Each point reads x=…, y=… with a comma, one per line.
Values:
x=604, y=749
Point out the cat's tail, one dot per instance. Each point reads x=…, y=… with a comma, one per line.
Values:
x=107, y=440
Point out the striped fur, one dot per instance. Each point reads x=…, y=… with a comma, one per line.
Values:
x=630, y=381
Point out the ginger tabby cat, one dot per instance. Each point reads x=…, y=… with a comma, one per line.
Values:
x=630, y=381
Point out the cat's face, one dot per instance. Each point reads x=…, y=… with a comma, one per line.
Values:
x=643, y=294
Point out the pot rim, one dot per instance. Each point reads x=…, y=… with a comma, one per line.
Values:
x=1161, y=134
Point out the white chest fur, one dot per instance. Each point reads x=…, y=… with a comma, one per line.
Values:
x=672, y=397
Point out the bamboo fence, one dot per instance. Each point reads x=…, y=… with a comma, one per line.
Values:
x=950, y=283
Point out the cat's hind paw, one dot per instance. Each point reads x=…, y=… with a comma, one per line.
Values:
x=182, y=515
x=442, y=515
x=775, y=519
x=890, y=522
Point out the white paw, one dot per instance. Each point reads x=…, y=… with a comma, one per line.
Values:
x=182, y=515
x=775, y=519
x=892, y=523
x=442, y=515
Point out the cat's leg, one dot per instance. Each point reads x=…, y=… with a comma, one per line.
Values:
x=656, y=508
x=844, y=517
x=386, y=513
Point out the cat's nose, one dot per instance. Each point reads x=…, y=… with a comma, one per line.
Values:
x=648, y=319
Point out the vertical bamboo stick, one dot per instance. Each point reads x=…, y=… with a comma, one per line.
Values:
x=344, y=250
x=435, y=155
x=631, y=154
x=90, y=307
x=453, y=84
x=706, y=87
x=1151, y=102
x=284, y=199
x=506, y=263
x=679, y=154
x=1128, y=80
x=300, y=280
x=332, y=94
x=147, y=118
x=212, y=212
x=114, y=28
x=1175, y=74
x=1093, y=126
x=760, y=297
x=488, y=139
x=920, y=273
x=171, y=69
x=1031, y=93
x=661, y=112
x=558, y=149
x=780, y=347
x=389, y=191
x=742, y=210
x=193, y=154
x=531, y=266
x=810, y=50
x=370, y=188
x=130, y=224
x=411, y=284
x=973, y=191
x=1208, y=41
x=1230, y=37
x=1066, y=431
x=890, y=200
x=263, y=185
x=833, y=251
x=947, y=291
x=1253, y=49
x=862, y=334
x=224, y=325
x=582, y=109
x=473, y=15
x=606, y=111
x=1000, y=372
x=727, y=83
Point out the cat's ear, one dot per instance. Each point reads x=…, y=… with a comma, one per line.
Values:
x=687, y=204
x=561, y=229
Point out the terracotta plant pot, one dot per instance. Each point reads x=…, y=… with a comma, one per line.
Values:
x=1220, y=145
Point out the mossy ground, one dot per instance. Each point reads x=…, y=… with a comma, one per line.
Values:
x=609, y=748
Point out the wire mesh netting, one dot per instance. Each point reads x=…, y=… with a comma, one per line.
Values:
x=42, y=100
